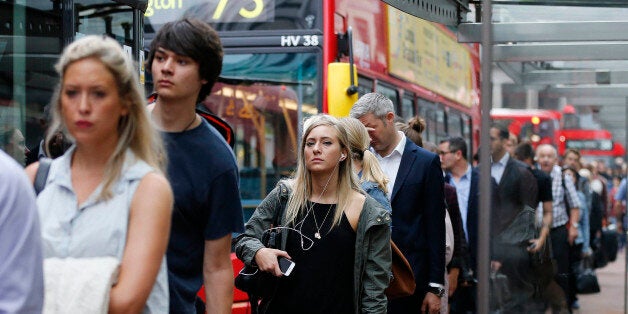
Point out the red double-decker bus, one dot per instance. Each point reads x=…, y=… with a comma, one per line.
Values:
x=536, y=126
x=592, y=144
x=286, y=60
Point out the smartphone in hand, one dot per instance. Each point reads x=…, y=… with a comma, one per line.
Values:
x=286, y=266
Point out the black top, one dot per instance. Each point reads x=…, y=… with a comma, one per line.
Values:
x=322, y=279
x=544, y=182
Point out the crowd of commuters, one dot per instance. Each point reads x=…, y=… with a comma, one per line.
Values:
x=157, y=187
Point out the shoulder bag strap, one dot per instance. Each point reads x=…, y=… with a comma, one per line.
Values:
x=42, y=174
x=283, y=199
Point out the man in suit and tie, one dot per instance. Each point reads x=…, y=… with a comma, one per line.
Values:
x=417, y=201
x=514, y=187
x=460, y=174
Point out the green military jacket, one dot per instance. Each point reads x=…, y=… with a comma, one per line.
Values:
x=372, y=266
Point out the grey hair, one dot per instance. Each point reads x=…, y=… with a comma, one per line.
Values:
x=551, y=147
x=375, y=103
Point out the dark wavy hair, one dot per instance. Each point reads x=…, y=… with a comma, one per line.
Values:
x=195, y=39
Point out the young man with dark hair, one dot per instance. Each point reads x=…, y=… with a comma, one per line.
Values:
x=185, y=60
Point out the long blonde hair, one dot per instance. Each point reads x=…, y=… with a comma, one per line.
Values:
x=301, y=183
x=135, y=130
x=359, y=142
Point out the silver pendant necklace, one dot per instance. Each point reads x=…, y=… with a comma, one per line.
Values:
x=317, y=234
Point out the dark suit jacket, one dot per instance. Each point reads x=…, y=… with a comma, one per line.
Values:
x=472, y=216
x=516, y=188
x=418, y=217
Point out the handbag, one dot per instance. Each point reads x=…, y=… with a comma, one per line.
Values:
x=256, y=283
x=586, y=279
x=543, y=265
x=600, y=259
x=403, y=283
x=610, y=242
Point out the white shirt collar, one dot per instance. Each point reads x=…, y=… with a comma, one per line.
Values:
x=399, y=148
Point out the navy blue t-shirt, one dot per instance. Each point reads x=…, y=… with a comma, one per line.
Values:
x=204, y=177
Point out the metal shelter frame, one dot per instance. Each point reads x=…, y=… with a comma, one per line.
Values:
x=593, y=69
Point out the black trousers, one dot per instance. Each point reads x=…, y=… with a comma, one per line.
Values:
x=562, y=251
x=463, y=300
x=575, y=258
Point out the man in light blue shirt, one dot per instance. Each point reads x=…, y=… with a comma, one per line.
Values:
x=21, y=259
x=460, y=174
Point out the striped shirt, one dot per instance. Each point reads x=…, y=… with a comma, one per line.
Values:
x=561, y=194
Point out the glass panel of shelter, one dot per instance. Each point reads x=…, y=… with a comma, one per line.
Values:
x=551, y=73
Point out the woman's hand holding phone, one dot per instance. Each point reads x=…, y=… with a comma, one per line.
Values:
x=267, y=260
x=286, y=266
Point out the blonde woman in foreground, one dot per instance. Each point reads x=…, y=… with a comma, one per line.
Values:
x=107, y=195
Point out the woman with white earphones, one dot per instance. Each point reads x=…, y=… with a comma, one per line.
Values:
x=337, y=237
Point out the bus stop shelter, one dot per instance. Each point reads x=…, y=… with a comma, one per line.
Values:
x=543, y=54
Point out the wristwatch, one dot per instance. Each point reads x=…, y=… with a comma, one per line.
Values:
x=438, y=291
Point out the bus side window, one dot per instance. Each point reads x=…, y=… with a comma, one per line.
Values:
x=390, y=92
x=365, y=85
x=454, y=123
x=407, y=106
x=466, y=134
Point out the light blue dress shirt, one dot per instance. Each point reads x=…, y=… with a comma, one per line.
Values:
x=463, y=188
x=497, y=168
x=21, y=261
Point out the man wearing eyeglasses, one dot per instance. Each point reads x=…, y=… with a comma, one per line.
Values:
x=460, y=174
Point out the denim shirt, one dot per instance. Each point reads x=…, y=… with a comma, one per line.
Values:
x=372, y=189
x=583, y=225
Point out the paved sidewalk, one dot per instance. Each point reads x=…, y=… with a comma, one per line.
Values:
x=610, y=300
